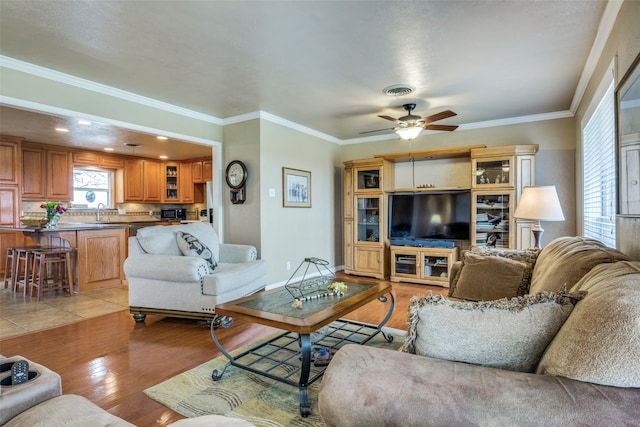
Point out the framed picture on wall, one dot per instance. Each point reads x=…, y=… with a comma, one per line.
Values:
x=296, y=188
x=628, y=141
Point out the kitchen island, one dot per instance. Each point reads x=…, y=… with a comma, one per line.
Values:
x=99, y=250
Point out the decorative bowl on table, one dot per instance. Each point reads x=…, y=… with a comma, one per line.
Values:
x=34, y=222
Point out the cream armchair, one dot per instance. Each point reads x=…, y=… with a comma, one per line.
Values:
x=164, y=281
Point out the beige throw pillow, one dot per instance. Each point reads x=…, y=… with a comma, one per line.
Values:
x=600, y=342
x=507, y=334
x=489, y=278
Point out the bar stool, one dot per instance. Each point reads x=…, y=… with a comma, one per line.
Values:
x=51, y=270
x=10, y=268
x=24, y=268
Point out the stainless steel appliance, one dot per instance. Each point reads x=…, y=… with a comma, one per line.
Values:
x=173, y=214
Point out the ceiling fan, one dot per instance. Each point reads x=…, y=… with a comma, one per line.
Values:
x=409, y=126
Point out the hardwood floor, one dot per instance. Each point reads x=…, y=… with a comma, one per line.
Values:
x=110, y=359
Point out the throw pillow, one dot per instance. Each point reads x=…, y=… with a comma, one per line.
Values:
x=489, y=278
x=527, y=256
x=191, y=246
x=507, y=334
x=600, y=342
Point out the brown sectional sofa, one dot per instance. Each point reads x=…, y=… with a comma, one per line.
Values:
x=588, y=374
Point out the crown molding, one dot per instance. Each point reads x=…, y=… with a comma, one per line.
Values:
x=604, y=31
x=78, y=82
x=48, y=109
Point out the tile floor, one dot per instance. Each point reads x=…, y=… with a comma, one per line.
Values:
x=23, y=314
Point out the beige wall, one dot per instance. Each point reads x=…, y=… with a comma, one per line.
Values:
x=289, y=235
x=242, y=222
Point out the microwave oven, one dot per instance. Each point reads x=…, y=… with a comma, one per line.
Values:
x=173, y=214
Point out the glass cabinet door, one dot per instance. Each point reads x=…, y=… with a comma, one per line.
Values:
x=368, y=179
x=492, y=219
x=171, y=182
x=368, y=214
x=493, y=172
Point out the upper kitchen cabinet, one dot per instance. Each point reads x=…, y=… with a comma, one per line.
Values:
x=46, y=174
x=202, y=171
x=142, y=181
x=9, y=161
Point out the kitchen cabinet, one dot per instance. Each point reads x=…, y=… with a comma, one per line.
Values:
x=9, y=162
x=431, y=266
x=100, y=256
x=46, y=174
x=171, y=181
x=186, y=187
x=142, y=181
x=9, y=182
x=59, y=175
x=202, y=171
x=93, y=158
x=9, y=206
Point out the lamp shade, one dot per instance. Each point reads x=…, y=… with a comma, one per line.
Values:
x=539, y=203
x=409, y=132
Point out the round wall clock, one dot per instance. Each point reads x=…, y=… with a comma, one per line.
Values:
x=236, y=174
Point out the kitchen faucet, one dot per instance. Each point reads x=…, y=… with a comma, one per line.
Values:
x=100, y=206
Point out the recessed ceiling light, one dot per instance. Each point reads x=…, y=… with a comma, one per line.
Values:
x=398, y=90
x=108, y=149
x=163, y=138
x=164, y=157
x=62, y=130
x=84, y=122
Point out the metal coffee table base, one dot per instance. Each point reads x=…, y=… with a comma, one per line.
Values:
x=290, y=355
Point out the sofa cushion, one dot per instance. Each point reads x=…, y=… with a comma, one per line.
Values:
x=566, y=260
x=508, y=334
x=600, y=342
x=67, y=410
x=191, y=246
x=161, y=240
x=489, y=278
x=527, y=256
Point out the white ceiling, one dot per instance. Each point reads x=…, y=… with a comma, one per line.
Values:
x=320, y=64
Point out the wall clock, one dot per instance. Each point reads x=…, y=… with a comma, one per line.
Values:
x=236, y=177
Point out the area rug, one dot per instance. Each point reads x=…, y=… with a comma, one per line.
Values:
x=242, y=394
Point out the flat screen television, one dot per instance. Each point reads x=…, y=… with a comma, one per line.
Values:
x=438, y=215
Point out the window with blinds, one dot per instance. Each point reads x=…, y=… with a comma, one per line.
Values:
x=599, y=172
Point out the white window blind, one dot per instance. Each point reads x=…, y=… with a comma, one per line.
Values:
x=599, y=172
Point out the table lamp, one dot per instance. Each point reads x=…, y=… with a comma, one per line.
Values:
x=540, y=204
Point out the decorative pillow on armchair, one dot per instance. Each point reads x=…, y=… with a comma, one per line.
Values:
x=507, y=334
x=191, y=246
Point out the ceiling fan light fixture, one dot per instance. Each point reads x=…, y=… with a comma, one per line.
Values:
x=408, y=133
x=398, y=90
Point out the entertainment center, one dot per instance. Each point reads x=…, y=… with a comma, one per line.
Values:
x=415, y=233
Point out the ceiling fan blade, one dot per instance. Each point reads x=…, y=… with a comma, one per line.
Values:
x=448, y=128
x=390, y=119
x=377, y=130
x=439, y=116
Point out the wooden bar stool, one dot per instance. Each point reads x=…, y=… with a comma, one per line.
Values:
x=9, y=268
x=24, y=268
x=51, y=270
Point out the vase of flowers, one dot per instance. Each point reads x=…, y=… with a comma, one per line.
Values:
x=54, y=211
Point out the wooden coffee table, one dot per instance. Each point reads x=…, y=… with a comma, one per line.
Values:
x=317, y=327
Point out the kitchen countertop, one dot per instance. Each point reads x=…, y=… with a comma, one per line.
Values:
x=67, y=227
